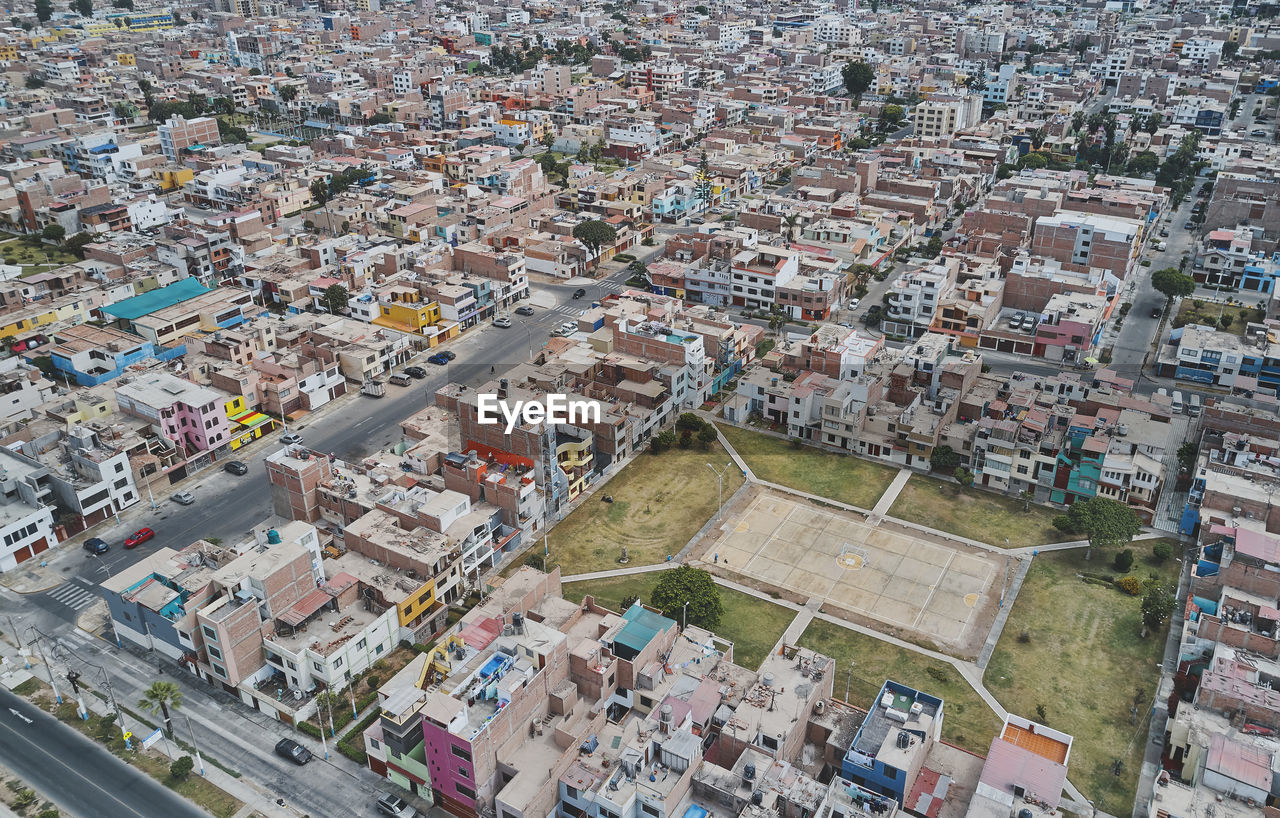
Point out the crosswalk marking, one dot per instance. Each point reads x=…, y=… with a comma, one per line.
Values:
x=73, y=596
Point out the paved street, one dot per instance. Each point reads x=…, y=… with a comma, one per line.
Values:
x=80, y=777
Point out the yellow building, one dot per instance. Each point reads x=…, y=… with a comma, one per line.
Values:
x=247, y=425
x=407, y=312
x=72, y=308
x=9, y=52
x=126, y=58
x=174, y=178
x=575, y=457
x=417, y=603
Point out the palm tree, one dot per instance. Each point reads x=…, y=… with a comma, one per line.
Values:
x=159, y=697
x=791, y=221
x=325, y=701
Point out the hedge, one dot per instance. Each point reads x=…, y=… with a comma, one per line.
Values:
x=356, y=752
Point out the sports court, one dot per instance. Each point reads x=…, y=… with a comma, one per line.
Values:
x=911, y=584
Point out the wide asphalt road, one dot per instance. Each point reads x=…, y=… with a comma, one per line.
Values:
x=79, y=776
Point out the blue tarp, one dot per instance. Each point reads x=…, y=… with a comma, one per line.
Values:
x=147, y=303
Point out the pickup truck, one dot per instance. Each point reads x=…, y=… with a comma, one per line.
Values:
x=374, y=388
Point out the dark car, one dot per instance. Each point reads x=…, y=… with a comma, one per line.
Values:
x=138, y=537
x=96, y=545
x=524, y=309
x=237, y=467
x=1188, y=226
x=416, y=372
x=948, y=224
x=292, y=750
x=1156, y=312
x=441, y=357
x=579, y=293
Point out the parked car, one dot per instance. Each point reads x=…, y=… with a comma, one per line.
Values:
x=524, y=309
x=292, y=750
x=138, y=537
x=1258, y=132
x=568, y=328
x=291, y=438
x=183, y=498
x=1188, y=226
x=415, y=372
x=441, y=358
x=96, y=545
x=400, y=379
x=395, y=806
x=853, y=303
x=237, y=467
x=579, y=293
x=1156, y=312
x=948, y=224
x=1164, y=234
x=1161, y=245
x=502, y=322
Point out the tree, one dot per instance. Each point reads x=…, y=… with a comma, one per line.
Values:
x=319, y=191
x=1104, y=522
x=288, y=93
x=106, y=726
x=1037, y=137
x=44, y=10
x=53, y=232
x=1152, y=123
x=688, y=421
x=706, y=436
x=858, y=77
x=1187, y=455
x=75, y=245
x=662, y=441
x=1157, y=604
x=1123, y=560
x=594, y=234
x=33, y=82
x=1035, y=161
x=82, y=7
x=159, y=697
x=1161, y=551
x=381, y=118
x=944, y=458
x=694, y=586
x=335, y=298
x=891, y=115
x=1173, y=284
x=933, y=247
x=1142, y=164
x=122, y=4
x=963, y=476
x=181, y=768
x=627, y=602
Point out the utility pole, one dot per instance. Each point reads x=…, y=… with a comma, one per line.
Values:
x=848, y=680
x=14, y=628
x=684, y=617
x=48, y=667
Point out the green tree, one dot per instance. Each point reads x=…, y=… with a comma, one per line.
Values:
x=1157, y=604
x=33, y=82
x=181, y=768
x=594, y=235
x=694, y=586
x=858, y=77
x=53, y=232
x=963, y=476
x=381, y=118
x=933, y=247
x=1152, y=123
x=319, y=191
x=44, y=10
x=75, y=245
x=1034, y=161
x=1104, y=522
x=1123, y=560
x=891, y=115
x=1172, y=284
x=82, y=7
x=627, y=602
x=662, y=441
x=944, y=458
x=1037, y=137
x=1161, y=551
x=288, y=93
x=706, y=436
x=106, y=726
x=335, y=298
x=1187, y=455
x=1143, y=163
x=688, y=421
x=159, y=697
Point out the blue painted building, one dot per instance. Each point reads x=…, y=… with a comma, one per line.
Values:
x=92, y=355
x=893, y=741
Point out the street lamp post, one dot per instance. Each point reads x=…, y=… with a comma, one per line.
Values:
x=194, y=746
x=684, y=617
x=48, y=667
x=719, y=486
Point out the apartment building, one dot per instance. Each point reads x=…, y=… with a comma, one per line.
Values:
x=756, y=273
x=178, y=134
x=1084, y=240
x=189, y=415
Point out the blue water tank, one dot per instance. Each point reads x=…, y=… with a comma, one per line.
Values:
x=273, y=537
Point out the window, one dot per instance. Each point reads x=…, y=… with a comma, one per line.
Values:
x=464, y=791
x=119, y=468
x=769, y=742
x=361, y=644
x=337, y=663
x=378, y=649
x=460, y=752
x=218, y=670
x=317, y=666
x=214, y=652
x=649, y=809
x=209, y=633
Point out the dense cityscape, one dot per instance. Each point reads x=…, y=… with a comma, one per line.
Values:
x=639, y=410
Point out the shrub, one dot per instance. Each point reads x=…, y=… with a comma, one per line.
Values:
x=1130, y=585
x=1162, y=551
x=1024, y=638
x=181, y=768
x=537, y=561
x=1063, y=523
x=1124, y=560
x=938, y=674
x=372, y=681
x=309, y=728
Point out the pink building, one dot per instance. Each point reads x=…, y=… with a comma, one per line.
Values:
x=190, y=415
x=1069, y=326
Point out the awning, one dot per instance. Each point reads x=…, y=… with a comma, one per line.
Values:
x=1091, y=360
x=249, y=419
x=304, y=608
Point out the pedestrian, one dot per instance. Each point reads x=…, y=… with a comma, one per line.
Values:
x=717, y=556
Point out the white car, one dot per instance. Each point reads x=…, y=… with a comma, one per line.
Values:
x=568, y=328
x=853, y=303
x=502, y=321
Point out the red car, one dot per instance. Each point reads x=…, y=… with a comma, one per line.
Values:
x=139, y=537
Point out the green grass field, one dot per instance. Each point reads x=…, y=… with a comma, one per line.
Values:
x=843, y=478
x=967, y=720
x=1084, y=660
x=659, y=503
x=975, y=514
x=753, y=625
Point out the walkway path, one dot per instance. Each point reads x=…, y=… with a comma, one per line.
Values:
x=890, y=495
